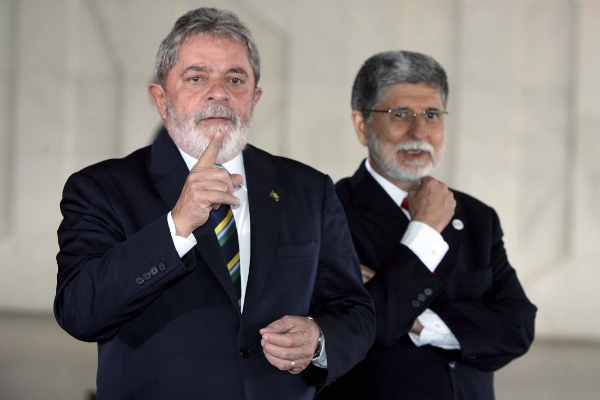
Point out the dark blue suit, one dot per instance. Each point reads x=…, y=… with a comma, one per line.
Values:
x=170, y=328
x=476, y=293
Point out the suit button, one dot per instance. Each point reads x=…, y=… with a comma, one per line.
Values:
x=139, y=280
x=147, y=275
x=452, y=364
x=245, y=352
x=162, y=267
x=428, y=291
x=154, y=270
x=421, y=297
x=416, y=303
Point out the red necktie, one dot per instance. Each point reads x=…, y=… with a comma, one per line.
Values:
x=404, y=203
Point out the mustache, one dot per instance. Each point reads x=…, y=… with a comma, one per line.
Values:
x=216, y=111
x=414, y=145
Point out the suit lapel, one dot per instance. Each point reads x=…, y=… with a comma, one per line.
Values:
x=169, y=172
x=266, y=197
x=382, y=210
x=167, y=168
x=452, y=236
x=210, y=251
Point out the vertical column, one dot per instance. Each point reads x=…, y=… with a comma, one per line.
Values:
x=482, y=103
x=31, y=151
x=63, y=114
x=586, y=163
x=8, y=56
x=544, y=50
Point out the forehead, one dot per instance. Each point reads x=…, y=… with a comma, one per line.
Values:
x=215, y=53
x=416, y=94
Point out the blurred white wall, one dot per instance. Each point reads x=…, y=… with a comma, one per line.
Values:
x=524, y=106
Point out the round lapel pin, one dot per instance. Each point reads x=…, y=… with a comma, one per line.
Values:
x=458, y=224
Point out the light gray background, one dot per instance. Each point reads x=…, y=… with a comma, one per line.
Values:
x=522, y=135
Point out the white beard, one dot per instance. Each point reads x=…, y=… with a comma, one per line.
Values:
x=193, y=139
x=411, y=171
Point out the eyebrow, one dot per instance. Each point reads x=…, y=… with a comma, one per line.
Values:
x=408, y=109
x=196, y=68
x=204, y=68
x=238, y=70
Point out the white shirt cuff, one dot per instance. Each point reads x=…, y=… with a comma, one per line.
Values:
x=182, y=245
x=435, y=332
x=426, y=243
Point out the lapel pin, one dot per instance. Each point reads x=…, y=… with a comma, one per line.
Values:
x=274, y=195
x=458, y=224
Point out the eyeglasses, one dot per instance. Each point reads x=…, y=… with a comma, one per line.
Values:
x=404, y=117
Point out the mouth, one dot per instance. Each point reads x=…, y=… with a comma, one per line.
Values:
x=414, y=153
x=216, y=120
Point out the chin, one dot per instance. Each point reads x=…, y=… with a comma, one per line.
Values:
x=411, y=173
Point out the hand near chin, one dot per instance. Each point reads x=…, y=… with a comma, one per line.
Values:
x=432, y=203
x=206, y=188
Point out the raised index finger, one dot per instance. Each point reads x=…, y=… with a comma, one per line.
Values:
x=207, y=159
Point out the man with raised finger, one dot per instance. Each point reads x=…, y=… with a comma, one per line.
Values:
x=450, y=309
x=204, y=267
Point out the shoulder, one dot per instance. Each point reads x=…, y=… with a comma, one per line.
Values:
x=469, y=202
x=125, y=169
x=135, y=160
x=359, y=189
x=477, y=212
x=343, y=189
x=283, y=166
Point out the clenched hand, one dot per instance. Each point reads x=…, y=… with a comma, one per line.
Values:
x=290, y=339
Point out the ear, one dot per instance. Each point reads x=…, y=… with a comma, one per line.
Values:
x=257, y=94
x=358, y=120
x=159, y=96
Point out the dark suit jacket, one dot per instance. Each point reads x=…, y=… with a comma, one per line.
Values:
x=476, y=292
x=177, y=333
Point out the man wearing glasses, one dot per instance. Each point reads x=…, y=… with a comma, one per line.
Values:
x=450, y=309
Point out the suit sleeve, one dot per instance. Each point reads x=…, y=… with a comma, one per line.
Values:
x=492, y=327
x=107, y=275
x=340, y=305
x=402, y=289
x=497, y=327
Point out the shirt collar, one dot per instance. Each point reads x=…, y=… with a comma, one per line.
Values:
x=392, y=190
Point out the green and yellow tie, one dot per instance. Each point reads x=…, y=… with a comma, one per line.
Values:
x=226, y=232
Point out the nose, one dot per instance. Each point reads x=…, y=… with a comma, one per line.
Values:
x=418, y=129
x=217, y=92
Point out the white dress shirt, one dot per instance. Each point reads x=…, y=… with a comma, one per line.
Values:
x=430, y=247
x=241, y=214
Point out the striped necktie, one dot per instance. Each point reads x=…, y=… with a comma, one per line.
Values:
x=226, y=232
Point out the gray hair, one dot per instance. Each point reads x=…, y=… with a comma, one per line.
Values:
x=219, y=23
x=387, y=69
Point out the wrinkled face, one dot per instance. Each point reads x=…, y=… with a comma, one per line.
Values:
x=210, y=88
x=404, y=154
